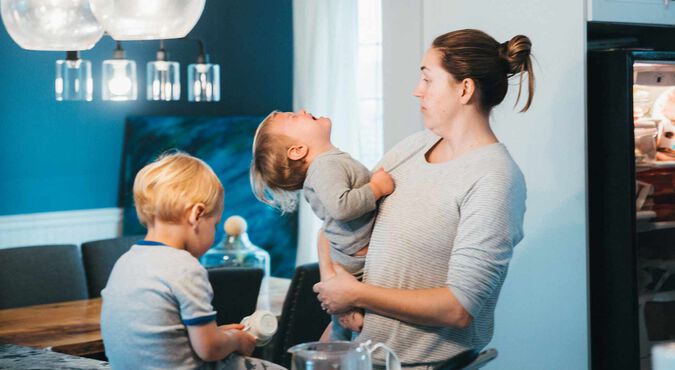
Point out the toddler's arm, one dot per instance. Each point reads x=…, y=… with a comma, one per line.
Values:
x=342, y=201
x=213, y=343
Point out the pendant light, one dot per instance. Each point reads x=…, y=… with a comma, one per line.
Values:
x=147, y=19
x=119, y=77
x=163, y=77
x=73, y=78
x=203, y=79
x=59, y=25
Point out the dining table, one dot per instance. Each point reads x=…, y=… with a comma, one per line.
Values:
x=73, y=327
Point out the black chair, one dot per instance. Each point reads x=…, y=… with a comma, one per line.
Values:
x=469, y=360
x=235, y=292
x=302, y=319
x=41, y=275
x=482, y=359
x=99, y=257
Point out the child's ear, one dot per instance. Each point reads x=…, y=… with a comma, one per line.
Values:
x=297, y=152
x=196, y=213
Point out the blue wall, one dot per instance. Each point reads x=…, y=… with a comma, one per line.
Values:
x=66, y=155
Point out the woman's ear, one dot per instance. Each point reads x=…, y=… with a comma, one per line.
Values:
x=297, y=152
x=468, y=89
x=196, y=213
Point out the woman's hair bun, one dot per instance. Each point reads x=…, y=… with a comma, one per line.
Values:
x=516, y=52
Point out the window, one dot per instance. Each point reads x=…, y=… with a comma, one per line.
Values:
x=369, y=82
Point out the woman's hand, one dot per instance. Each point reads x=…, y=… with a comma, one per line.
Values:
x=337, y=294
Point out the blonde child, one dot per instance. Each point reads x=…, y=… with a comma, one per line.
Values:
x=157, y=309
x=293, y=151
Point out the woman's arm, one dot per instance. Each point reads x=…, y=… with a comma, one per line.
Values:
x=213, y=343
x=433, y=307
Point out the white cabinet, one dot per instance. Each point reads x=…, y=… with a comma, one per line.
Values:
x=632, y=11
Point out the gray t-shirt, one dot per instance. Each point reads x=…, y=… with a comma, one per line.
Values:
x=153, y=292
x=451, y=224
x=336, y=187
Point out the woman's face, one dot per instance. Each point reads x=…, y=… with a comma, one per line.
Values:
x=438, y=91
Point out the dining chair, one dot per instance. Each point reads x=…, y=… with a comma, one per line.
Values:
x=40, y=275
x=99, y=257
x=302, y=319
x=478, y=361
x=235, y=292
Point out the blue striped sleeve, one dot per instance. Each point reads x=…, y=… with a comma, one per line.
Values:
x=200, y=320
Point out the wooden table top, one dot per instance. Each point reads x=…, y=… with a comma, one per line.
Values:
x=74, y=327
x=68, y=327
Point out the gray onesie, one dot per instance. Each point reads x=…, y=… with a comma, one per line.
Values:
x=336, y=188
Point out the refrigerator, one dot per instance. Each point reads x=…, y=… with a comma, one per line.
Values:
x=631, y=205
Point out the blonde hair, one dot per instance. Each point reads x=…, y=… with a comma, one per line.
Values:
x=275, y=178
x=174, y=182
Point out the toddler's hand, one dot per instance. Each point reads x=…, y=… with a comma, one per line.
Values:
x=245, y=342
x=381, y=183
x=352, y=320
x=232, y=327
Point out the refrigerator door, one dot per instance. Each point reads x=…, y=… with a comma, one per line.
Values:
x=620, y=103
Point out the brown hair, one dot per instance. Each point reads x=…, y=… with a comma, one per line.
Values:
x=476, y=55
x=275, y=178
x=174, y=182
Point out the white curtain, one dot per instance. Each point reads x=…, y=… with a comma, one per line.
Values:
x=325, y=43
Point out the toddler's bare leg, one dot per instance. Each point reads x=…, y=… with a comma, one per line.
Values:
x=325, y=337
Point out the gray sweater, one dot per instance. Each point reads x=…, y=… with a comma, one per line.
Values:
x=336, y=188
x=451, y=224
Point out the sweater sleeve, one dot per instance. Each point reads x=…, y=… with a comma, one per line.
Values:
x=332, y=185
x=490, y=225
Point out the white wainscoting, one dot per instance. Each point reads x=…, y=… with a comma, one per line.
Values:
x=65, y=227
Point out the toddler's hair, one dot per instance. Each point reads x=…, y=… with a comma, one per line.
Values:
x=275, y=178
x=174, y=182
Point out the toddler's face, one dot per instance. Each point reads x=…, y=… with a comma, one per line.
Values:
x=303, y=127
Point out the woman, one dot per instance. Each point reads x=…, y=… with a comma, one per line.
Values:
x=443, y=240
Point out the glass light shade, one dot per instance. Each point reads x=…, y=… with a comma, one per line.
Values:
x=119, y=80
x=73, y=80
x=163, y=81
x=203, y=82
x=147, y=19
x=51, y=25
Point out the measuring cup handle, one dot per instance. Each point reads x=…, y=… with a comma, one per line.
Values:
x=392, y=362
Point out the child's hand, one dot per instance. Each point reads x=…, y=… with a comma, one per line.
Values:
x=352, y=320
x=245, y=342
x=381, y=183
x=232, y=327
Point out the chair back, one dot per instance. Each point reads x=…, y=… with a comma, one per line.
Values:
x=482, y=359
x=302, y=319
x=235, y=292
x=40, y=275
x=99, y=257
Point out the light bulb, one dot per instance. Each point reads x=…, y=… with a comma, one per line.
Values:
x=73, y=79
x=119, y=80
x=163, y=80
x=119, y=85
x=204, y=82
